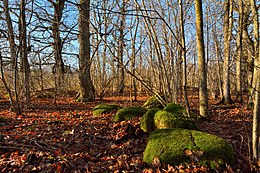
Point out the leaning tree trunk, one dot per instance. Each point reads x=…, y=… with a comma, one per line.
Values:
x=87, y=91
x=203, y=95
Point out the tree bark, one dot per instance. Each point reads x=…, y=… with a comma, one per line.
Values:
x=239, y=90
x=25, y=67
x=87, y=91
x=203, y=95
x=10, y=33
x=183, y=54
x=227, y=37
x=121, y=72
x=58, y=45
x=256, y=85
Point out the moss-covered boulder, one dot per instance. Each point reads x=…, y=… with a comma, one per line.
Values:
x=147, y=121
x=104, y=108
x=153, y=102
x=178, y=110
x=129, y=113
x=176, y=146
x=164, y=120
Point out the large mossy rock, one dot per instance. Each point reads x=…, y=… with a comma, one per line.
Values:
x=129, y=113
x=147, y=121
x=165, y=120
x=180, y=146
x=104, y=108
x=153, y=102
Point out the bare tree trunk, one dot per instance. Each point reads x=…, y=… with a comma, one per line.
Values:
x=14, y=103
x=133, y=60
x=256, y=43
x=227, y=38
x=203, y=95
x=239, y=90
x=256, y=85
x=121, y=73
x=25, y=68
x=217, y=50
x=256, y=118
x=183, y=53
x=86, y=87
x=10, y=33
x=58, y=45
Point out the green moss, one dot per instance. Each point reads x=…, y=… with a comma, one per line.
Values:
x=129, y=113
x=169, y=146
x=152, y=102
x=78, y=99
x=147, y=121
x=164, y=120
x=104, y=108
x=218, y=150
x=178, y=110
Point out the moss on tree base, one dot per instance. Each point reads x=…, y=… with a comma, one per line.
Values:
x=179, y=146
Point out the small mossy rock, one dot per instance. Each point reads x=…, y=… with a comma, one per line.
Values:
x=129, y=113
x=147, y=121
x=170, y=146
x=153, y=102
x=165, y=120
x=178, y=110
x=104, y=108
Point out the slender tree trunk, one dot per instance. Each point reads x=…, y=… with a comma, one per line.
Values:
x=256, y=119
x=227, y=38
x=183, y=54
x=121, y=72
x=203, y=95
x=14, y=102
x=10, y=33
x=58, y=45
x=133, y=60
x=86, y=87
x=256, y=85
x=256, y=43
x=239, y=90
x=217, y=50
x=25, y=68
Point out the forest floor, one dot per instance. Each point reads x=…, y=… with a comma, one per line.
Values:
x=66, y=137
